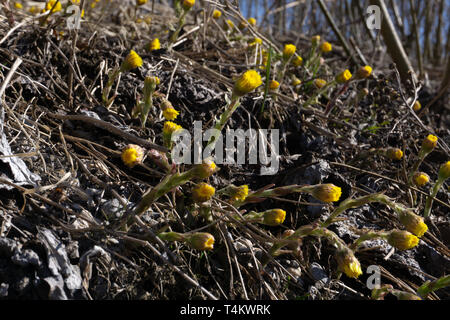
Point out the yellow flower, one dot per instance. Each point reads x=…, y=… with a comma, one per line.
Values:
x=206, y=169
x=51, y=4
x=274, y=217
x=413, y=223
x=252, y=21
x=421, y=178
x=444, y=171
x=140, y=2
x=288, y=51
x=170, y=113
x=200, y=241
x=364, y=72
x=326, y=192
x=417, y=106
x=203, y=192
x=402, y=240
x=274, y=84
x=133, y=60
x=240, y=193
x=394, y=153
x=242, y=25
x=132, y=155
x=315, y=40
x=188, y=4
x=319, y=83
x=228, y=24
x=246, y=83
x=348, y=263
x=154, y=45
x=325, y=47
x=296, y=81
x=216, y=14
x=170, y=127
x=18, y=5
x=429, y=143
x=297, y=61
x=344, y=76
x=255, y=41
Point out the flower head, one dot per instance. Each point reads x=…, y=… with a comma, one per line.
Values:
x=325, y=47
x=394, y=153
x=240, y=193
x=296, y=81
x=315, y=40
x=206, y=169
x=228, y=25
x=133, y=60
x=170, y=113
x=216, y=14
x=429, y=143
x=255, y=41
x=252, y=21
x=420, y=179
x=297, y=61
x=53, y=4
x=274, y=217
x=444, y=171
x=364, y=72
x=413, y=223
x=246, y=83
x=141, y=2
x=274, y=84
x=348, y=263
x=18, y=5
x=289, y=51
x=200, y=241
x=154, y=45
x=417, y=106
x=319, y=83
x=344, y=76
x=132, y=155
x=326, y=192
x=170, y=127
x=402, y=240
x=188, y=4
x=203, y=192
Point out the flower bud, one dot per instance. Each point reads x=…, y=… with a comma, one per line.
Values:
x=417, y=106
x=252, y=21
x=402, y=240
x=205, y=170
x=297, y=61
x=325, y=47
x=169, y=111
x=348, y=263
x=394, y=153
x=315, y=40
x=132, y=155
x=320, y=83
x=364, y=72
x=326, y=192
x=246, y=83
x=273, y=85
x=413, y=223
x=429, y=143
x=203, y=192
x=274, y=217
x=188, y=4
x=444, y=171
x=288, y=51
x=200, y=241
x=344, y=76
x=420, y=179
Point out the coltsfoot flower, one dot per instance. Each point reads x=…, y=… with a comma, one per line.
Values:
x=274, y=217
x=420, y=179
x=170, y=127
x=132, y=61
x=203, y=192
x=188, y=4
x=252, y=21
x=170, y=114
x=216, y=14
x=200, y=241
x=154, y=45
x=394, y=153
x=429, y=143
x=364, y=72
x=402, y=240
x=296, y=81
x=18, y=5
x=417, y=106
x=205, y=169
x=344, y=76
x=228, y=25
x=240, y=193
x=348, y=263
x=255, y=41
x=274, y=84
x=53, y=4
x=319, y=83
x=289, y=51
x=413, y=223
x=141, y=2
x=326, y=192
x=246, y=83
x=132, y=155
x=325, y=47
x=297, y=61
x=444, y=171
x=315, y=40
